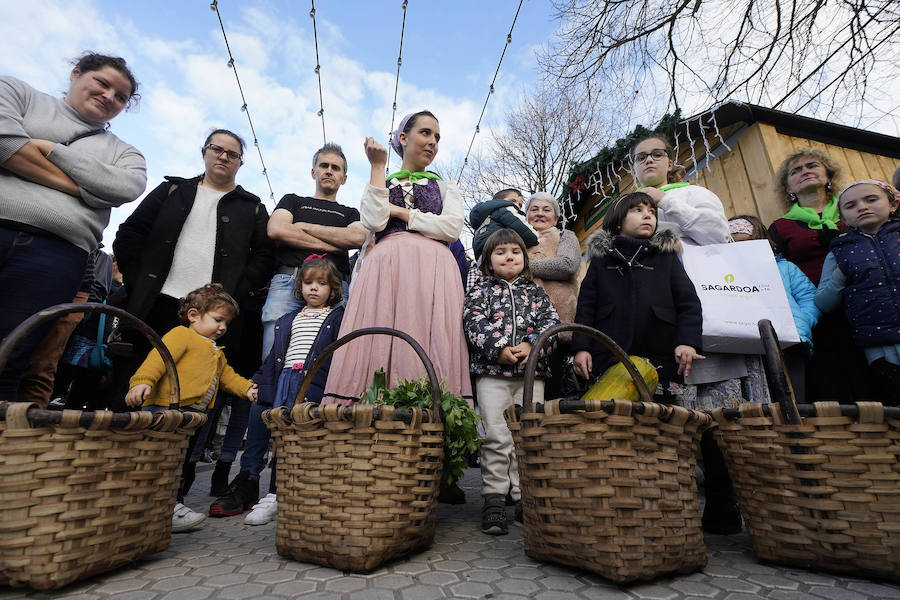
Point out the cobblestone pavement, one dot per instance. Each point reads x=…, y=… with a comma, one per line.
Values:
x=229, y=560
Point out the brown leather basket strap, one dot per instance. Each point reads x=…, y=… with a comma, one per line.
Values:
x=779, y=381
x=617, y=352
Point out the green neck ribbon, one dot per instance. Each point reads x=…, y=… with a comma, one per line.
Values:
x=413, y=177
x=829, y=217
x=673, y=186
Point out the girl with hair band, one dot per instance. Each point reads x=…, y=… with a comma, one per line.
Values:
x=410, y=280
x=300, y=336
x=862, y=271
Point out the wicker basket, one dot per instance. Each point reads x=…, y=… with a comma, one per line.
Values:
x=609, y=486
x=357, y=485
x=86, y=492
x=818, y=485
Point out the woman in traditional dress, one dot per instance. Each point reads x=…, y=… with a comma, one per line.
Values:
x=410, y=280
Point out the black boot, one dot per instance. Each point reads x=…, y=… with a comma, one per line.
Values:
x=721, y=514
x=219, y=482
x=493, y=515
x=241, y=494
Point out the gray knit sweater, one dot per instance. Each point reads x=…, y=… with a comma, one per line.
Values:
x=108, y=171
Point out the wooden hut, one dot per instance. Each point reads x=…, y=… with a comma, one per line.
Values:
x=734, y=150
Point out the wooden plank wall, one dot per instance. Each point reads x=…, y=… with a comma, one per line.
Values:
x=743, y=178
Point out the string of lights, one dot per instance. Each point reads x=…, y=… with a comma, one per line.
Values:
x=396, y=85
x=214, y=6
x=318, y=69
x=490, y=92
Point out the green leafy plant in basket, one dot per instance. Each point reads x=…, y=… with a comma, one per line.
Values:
x=460, y=422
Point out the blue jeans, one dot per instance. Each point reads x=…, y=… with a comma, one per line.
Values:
x=36, y=272
x=279, y=302
x=234, y=433
x=253, y=458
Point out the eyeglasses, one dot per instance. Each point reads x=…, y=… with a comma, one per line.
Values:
x=219, y=150
x=656, y=154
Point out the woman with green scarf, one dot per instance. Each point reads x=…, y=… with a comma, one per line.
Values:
x=807, y=182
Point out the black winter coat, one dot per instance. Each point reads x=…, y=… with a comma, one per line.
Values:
x=145, y=243
x=637, y=292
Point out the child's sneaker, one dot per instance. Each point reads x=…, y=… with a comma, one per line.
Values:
x=241, y=494
x=185, y=519
x=263, y=511
x=493, y=515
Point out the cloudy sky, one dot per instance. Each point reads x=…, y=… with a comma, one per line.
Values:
x=176, y=50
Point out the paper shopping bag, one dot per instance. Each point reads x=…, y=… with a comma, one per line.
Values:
x=739, y=284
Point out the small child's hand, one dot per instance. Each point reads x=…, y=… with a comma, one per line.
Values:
x=685, y=356
x=584, y=364
x=252, y=393
x=507, y=357
x=521, y=351
x=136, y=395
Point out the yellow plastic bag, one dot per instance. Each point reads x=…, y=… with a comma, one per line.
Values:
x=617, y=383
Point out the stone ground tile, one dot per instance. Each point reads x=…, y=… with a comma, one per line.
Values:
x=346, y=584
x=482, y=575
x=444, y=577
x=270, y=577
x=371, y=594
x=694, y=588
x=241, y=591
x=517, y=586
x=835, y=593
x=875, y=590
x=773, y=581
x=556, y=595
x=451, y=565
x=653, y=592
x=228, y=580
x=138, y=595
x=122, y=586
x=471, y=589
x=192, y=593
x=788, y=595
x=213, y=570
x=735, y=585
x=392, y=581
x=175, y=583
x=418, y=592
x=294, y=588
x=564, y=583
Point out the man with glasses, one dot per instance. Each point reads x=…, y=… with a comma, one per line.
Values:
x=186, y=233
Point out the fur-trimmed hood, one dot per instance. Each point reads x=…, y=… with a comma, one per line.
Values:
x=602, y=243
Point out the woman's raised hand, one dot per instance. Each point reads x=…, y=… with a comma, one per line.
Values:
x=375, y=152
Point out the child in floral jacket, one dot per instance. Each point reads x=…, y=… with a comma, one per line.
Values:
x=505, y=312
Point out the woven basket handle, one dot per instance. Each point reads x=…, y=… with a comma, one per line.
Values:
x=779, y=381
x=531, y=364
x=54, y=312
x=429, y=367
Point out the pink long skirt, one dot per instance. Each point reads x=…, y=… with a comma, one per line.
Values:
x=410, y=283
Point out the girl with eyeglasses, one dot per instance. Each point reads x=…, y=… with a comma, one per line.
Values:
x=694, y=213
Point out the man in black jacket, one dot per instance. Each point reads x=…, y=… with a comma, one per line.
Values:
x=190, y=232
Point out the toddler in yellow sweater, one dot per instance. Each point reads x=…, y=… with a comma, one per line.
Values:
x=202, y=370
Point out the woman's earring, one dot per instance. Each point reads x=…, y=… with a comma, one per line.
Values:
x=828, y=187
x=792, y=196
